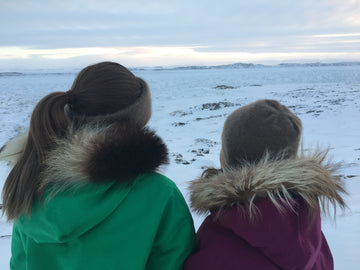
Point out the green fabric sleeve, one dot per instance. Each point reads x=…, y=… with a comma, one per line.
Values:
x=18, y=257
x=175, y=239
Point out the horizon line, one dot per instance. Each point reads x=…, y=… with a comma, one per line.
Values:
x=317, y=63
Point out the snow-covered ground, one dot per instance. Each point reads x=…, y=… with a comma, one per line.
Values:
x=189, y=108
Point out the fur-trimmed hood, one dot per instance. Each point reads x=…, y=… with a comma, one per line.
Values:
x=90, y=174
x=266, y=215
x=280, y=180
x=103, y=152
x=11, y=151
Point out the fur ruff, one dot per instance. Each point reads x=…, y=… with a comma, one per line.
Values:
x=12, y=150
x=280, y=180
x=101, y=153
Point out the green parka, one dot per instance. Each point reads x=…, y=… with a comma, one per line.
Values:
x=105, y=207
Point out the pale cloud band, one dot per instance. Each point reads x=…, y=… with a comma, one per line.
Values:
x=35, y=33
x=165, y=56
x=338, y=35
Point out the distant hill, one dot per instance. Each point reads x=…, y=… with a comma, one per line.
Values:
x=11, y=73
x=235, y=65
x=251, y=65
x=73, y=71
x=318, y=64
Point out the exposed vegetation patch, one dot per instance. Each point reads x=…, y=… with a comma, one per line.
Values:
x=209, y=117
x=179, y=159
x=178, y=124
x=180, y=113
x=223, y=86
x=207, y=142
x=201, y=152
x=213, y=106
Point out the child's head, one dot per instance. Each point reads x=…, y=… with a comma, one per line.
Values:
x=262, y=126
x=108, y=89
x=104, y=92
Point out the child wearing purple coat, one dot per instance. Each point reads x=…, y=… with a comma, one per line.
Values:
x=264, y=203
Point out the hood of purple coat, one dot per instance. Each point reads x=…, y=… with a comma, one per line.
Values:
x=286, y=239
x=273, y=206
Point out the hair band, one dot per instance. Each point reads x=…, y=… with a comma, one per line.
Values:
x=70, y=97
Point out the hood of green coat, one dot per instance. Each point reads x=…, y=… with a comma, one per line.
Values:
x=88, y=175
x=71, y=213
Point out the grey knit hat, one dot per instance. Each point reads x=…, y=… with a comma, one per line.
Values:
x=262, y=126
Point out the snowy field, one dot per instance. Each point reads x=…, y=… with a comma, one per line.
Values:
x=189, y=108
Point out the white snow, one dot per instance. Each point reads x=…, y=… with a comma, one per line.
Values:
x=189, y=111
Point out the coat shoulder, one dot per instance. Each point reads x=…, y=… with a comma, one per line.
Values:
x=157, y=184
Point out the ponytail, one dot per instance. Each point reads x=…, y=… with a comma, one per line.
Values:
x=22, y=186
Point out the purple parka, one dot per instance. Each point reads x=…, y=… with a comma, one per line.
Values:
x=265, y=216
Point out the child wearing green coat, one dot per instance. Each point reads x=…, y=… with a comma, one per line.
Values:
x=85, y=192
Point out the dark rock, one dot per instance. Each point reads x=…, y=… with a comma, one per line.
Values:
x=223, y=86
x=177, y=124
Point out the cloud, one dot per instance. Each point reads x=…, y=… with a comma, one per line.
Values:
x=337, y=35
x=254, y=27
x=152, y=56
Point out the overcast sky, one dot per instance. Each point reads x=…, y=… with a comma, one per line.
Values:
x=74, y=33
